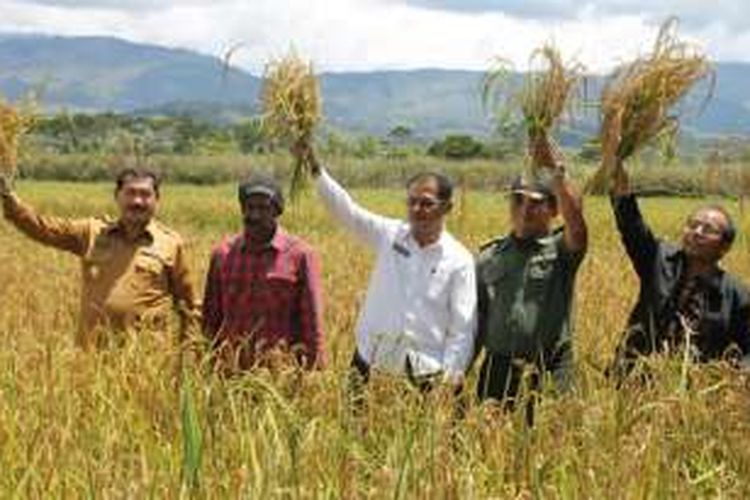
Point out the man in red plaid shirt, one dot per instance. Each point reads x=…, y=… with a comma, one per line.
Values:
x=263, y=287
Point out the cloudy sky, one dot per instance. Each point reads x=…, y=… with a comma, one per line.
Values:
x=384, y=34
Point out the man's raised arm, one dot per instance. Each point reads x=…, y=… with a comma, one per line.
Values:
x=64, y=234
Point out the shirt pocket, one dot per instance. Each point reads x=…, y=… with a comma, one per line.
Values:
x=281, y=286
x=438, y=285
x=539, y=273
x=148, y=271
x=492, y=277
x=97, y=263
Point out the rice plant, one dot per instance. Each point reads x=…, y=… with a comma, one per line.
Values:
x=292, y=108
x=126, y=423
x=14, y=123
x=639, y=102
x=544, y=94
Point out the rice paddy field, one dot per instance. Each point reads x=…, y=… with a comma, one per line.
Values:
x=128, y=423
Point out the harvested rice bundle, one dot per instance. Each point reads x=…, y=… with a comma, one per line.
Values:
x=13, y=125
x=638, y=98
x=292, y=109
x=545, y=93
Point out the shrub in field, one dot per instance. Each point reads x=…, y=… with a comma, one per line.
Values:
x=458, y=147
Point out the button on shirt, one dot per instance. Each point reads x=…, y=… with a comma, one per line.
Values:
x=421, y=302
x=125, y=282
x=268, y=296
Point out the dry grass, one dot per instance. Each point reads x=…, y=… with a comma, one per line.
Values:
x=115, y=424
x=292, y=108
x=546, y=92
x=638, y=104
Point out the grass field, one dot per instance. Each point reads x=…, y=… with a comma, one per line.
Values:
x=111, y=424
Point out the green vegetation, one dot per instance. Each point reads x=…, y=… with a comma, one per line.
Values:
x=727, y=176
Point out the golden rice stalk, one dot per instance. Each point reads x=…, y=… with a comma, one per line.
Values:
x=545, y=93
x=637, y=104
x=292, y=108
x=14, y=123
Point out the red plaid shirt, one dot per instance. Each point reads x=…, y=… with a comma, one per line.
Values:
x=259, y=298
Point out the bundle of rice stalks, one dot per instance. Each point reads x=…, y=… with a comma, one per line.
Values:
x=292, y=109
x=638, y=98
x=544, y=94
x=14, y=123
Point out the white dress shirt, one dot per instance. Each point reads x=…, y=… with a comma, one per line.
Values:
x=421, y=302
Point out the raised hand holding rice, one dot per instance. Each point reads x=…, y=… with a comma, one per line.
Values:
x=292, y=108
x=638, y=100
x=5, y=185
x=547, y=90
x=13, y=124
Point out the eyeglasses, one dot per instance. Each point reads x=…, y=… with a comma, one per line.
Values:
x=705, y=227
x=423, y=203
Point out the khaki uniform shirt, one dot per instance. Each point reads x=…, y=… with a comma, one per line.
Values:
x=126, y=282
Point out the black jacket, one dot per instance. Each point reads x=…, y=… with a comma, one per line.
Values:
x=724, y=330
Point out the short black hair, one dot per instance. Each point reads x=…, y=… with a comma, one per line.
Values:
x=730, y=232
x=445, y=185
x=137, y=173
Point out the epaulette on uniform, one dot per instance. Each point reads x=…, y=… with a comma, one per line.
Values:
x=167, y=231
x=491, y=245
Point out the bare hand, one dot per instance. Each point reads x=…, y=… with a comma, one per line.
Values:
x=546, y=153
x=305, y=152
x=6, y=185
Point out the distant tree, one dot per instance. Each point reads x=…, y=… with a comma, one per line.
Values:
x=458, y=147
x=335, y=144
x=249, y=135
x=188, y=133
x=366, y=147
x=400, y=134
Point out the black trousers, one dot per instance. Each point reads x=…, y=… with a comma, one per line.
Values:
x=360, y=371
x=501, y=376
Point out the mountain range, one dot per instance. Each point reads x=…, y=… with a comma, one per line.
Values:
x=96, y=74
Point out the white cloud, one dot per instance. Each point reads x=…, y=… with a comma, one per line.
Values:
x=696, y=13
x=363, y=34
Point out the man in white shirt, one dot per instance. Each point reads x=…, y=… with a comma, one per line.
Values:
x=420, y=311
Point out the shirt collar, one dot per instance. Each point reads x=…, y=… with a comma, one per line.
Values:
x=711, y=279
x=278, y=242
x=439, y=244
x=116, y=227
x=532, y=242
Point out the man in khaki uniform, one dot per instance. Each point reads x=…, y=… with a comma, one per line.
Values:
x=133, y=267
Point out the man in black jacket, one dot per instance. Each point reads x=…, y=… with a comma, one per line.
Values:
x=686, y=300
